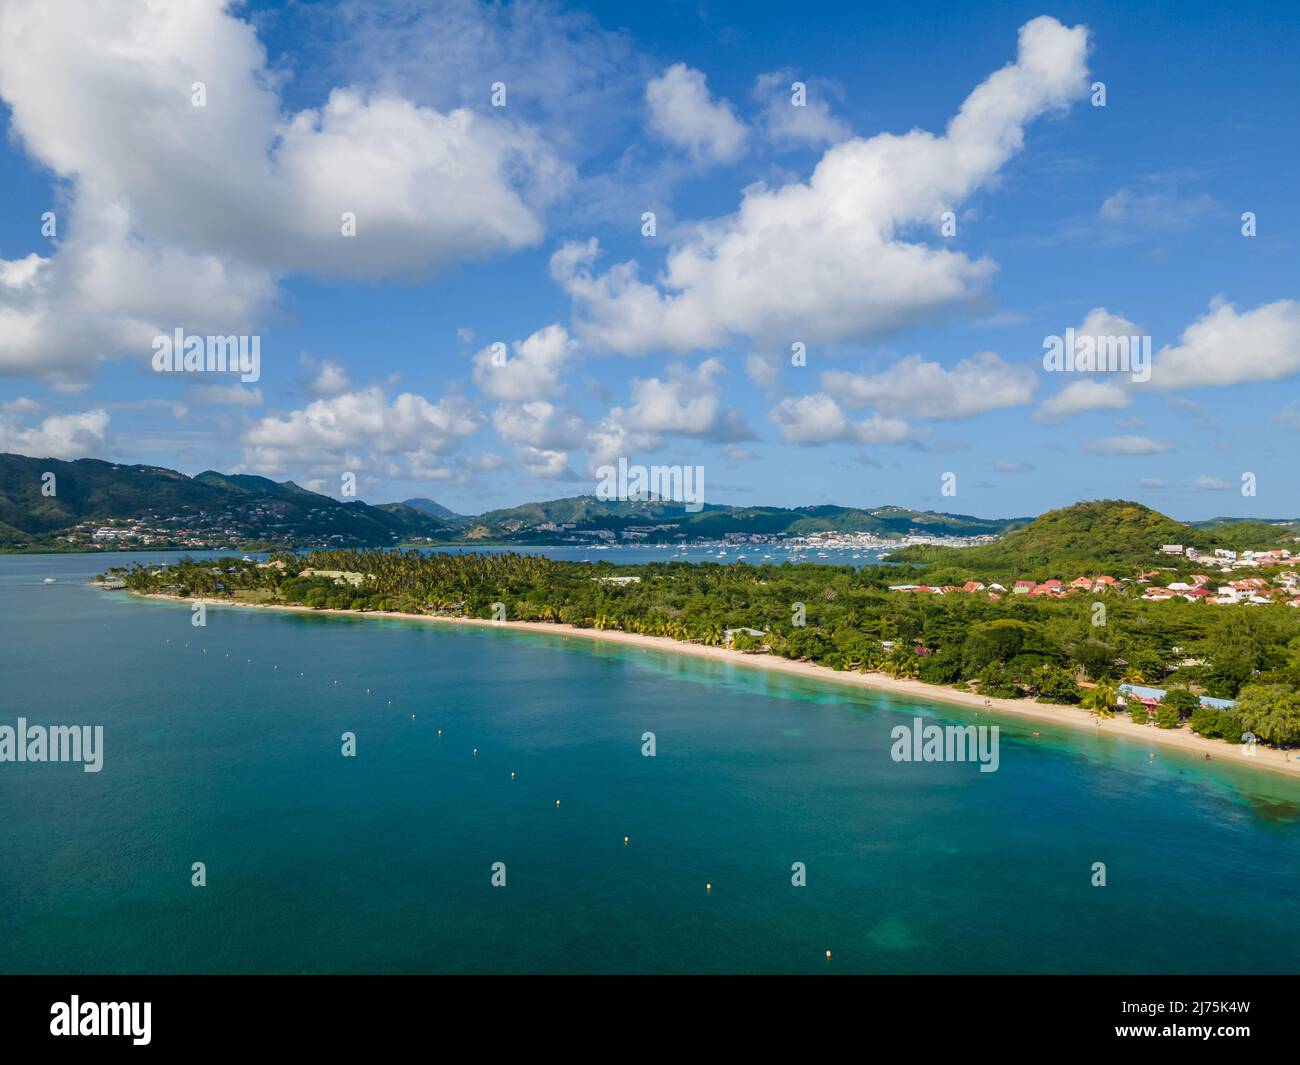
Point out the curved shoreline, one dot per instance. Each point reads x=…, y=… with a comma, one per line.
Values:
x=1120, y=726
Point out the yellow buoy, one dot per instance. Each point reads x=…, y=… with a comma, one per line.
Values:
x=708, y=887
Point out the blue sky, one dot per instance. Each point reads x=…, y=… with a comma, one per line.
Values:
x=522, y=224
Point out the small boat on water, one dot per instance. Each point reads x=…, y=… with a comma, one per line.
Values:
x=49, y=580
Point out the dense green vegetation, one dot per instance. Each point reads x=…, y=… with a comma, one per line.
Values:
x=836, y=616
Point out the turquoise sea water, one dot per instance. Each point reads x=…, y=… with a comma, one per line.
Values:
x=216, y=750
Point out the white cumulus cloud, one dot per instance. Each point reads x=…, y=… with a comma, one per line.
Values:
x=826, y=259
x=1229, y=347
x=183, y=215
x=59, y=436
x=533, y=372
x=683, y=113
x=359, y=430
x=817, y=419
x=916, y=388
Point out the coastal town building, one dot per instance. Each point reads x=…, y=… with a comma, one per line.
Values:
x=1150, y=697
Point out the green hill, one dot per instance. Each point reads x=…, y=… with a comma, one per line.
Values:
x=1102, y=536
x=431, y=508
x=1242, y=535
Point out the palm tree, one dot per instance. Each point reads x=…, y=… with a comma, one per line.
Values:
x=1103, y=698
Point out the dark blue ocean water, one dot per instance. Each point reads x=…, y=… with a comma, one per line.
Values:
x=217, y=750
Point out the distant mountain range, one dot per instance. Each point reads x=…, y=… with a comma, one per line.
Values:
x=433, y=510
x=666, y=521
x=208, y=509
x=104, y=504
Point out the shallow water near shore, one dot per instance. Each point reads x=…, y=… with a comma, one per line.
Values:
x=382, y=862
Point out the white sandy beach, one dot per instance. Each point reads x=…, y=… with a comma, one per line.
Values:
x=1073, y=716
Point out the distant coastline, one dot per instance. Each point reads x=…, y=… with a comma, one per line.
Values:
x=1269, y=758
x=273, y=549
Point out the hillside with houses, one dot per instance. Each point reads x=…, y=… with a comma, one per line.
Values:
x=1272, y=580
